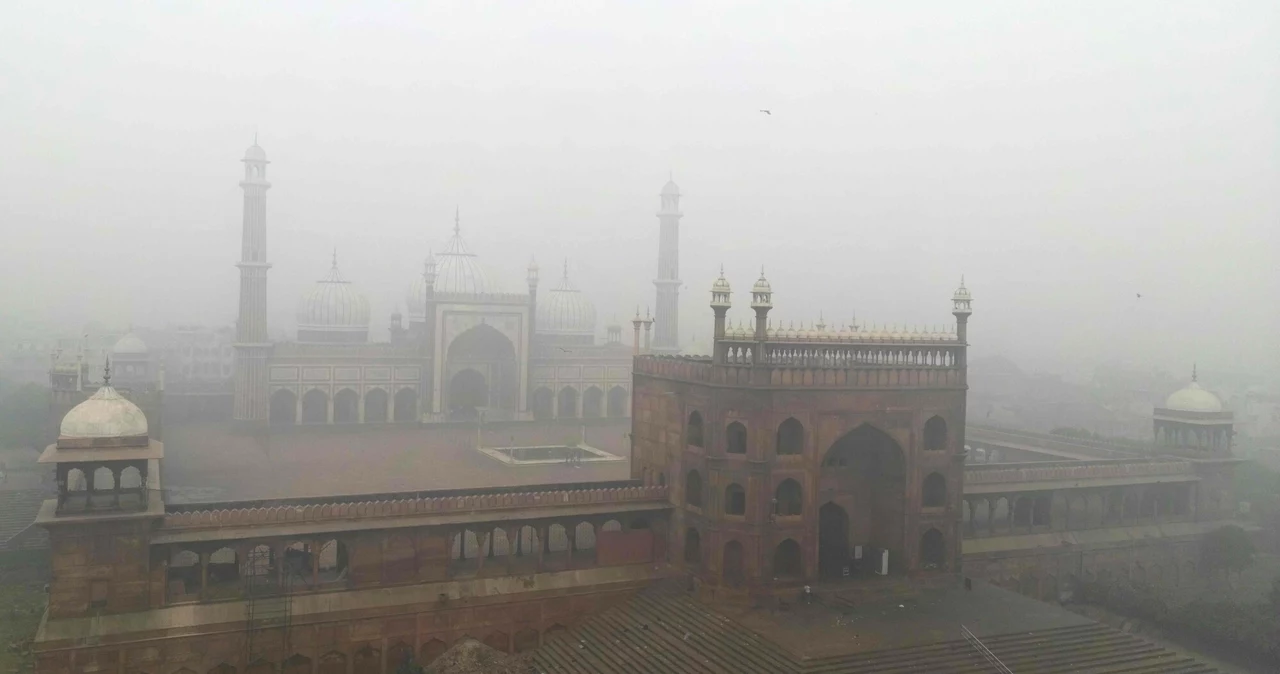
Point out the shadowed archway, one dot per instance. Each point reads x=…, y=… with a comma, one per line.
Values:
x=864, y=474
x=468, y=393
x=489, y=354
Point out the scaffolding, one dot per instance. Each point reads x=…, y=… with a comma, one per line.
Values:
x=267, y=586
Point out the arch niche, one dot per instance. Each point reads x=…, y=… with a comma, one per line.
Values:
x=592, y=403
x=864, y=473
x=375, y=406
x=490, y=355
x=346, y=407
x=543, y=404
x=406, y=405
x=567, y=403
x=617, y=404
x=315, y=407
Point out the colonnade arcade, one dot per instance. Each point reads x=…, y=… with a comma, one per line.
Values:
x=580, y=402
x=346, y=406
x=1079, y=508
x=1203, y=437
x=102, y=486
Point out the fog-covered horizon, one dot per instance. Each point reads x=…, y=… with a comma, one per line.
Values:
x=1064, y=158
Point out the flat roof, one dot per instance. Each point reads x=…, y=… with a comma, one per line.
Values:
x=216, y=463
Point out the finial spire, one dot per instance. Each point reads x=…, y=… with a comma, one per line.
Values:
x=106, y=372
x=1193, y=372
x=335, y=257
x=566, y=269
x=457, y=220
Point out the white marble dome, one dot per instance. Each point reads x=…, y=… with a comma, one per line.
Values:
x=106, y=414
x=332, y=307
x=130, y=344
x=1193, y=398
x=457, y=270
x=566, y=311
x=255, y=153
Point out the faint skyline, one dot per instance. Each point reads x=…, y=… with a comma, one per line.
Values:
x=1063, y=156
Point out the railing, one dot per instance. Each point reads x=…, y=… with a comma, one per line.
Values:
x=993, y=434
x=818, y=367
x=320, y=512
x=1073, y=470
x=977, y=645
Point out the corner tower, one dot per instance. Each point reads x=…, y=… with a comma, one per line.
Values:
x=667, y=339
x=251, y=344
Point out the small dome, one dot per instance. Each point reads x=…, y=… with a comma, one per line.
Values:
x=1193, y=398
x=962, y=293
x=671, y=189
x=130, y=344
x=255, y=153
x=762, y=285
x=721, y=284
x=566, y=311
x=106, y=414
x=333, y=307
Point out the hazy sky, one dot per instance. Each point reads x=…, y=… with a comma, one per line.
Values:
x=1063, y=156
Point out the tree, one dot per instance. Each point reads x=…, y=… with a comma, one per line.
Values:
x=1227, y=548
x=24, y=417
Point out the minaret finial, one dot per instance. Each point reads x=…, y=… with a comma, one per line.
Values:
x=335, y=257
x=255, y=136
x=566, y=269
x=106, y=372
x=1193, y=372
x=457, y=220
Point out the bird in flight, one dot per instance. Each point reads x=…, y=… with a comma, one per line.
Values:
x=767, y=112
x=565, y=350
x=1139, y=295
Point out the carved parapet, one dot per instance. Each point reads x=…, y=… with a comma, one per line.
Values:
x=318, y=512
x=1075, y=470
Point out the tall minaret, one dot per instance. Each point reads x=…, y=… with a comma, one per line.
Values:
x=667, y=339
x=251, y=326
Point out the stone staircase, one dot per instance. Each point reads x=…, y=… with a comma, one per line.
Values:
x=663, y=630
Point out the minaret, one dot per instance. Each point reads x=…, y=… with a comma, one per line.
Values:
x=667, y=339
x=251, y=344
x=962, y=308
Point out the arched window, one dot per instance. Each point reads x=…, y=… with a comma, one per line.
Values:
x=790, y=498
x=935, y=491
x=693, y=489
x=736, y=439
x=617, y=402
x=692, y=547
x=375, y=406
x=104, y=479
x=787, y=561
x=935, y=434
x=790, y=438
x=406, y=408
x=932, y=550
x=693, y=433
x=735, y=500
x=662, y=479
x=346, y=407
x=567, y=403
x=315, y=407
x=593, y=403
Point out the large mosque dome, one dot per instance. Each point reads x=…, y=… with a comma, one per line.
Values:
x=1193, y=398
x=106, y=414
x=457, y=271
x=566, y=311
x=333, y=311
x=129, y=345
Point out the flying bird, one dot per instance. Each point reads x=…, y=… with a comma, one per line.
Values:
x=565, y=350
x=1139, y=295
x=767, y=112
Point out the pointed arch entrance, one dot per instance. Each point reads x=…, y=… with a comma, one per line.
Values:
x=864, y=473
x=495, y=382
x=833, y=540
x=468, y=394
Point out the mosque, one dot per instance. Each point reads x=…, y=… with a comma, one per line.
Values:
x=468, y=346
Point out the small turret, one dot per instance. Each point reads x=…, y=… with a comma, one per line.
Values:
x=761, y=302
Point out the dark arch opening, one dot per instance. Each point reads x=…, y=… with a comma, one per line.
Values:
x=544, y=402
x=736, y=438
x=934, y=492
x=490, y=354
x=733, y=571
x=865, y=472
x=468, y=394
x=693, y=489
x=284, y=407
x=592, y=403
x=375, y=406
x=935, y=434
x=790, y=438
x=833, y=540
x=787, y=562
x=932, y=550
x=735, y=500
x=789, y=497
x=693, y=433
x=406, y=405
x=617, y=402
x=692, y=547
x=315, y=407
x=567, y=403
x=346, y=407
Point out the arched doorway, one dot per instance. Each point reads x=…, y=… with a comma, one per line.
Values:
x=790, y=440
x=375, y=406
x=787, y=562
x=567, y=403
x=617, y=402
x=346, y=407
x=468, y=394
x=543, y=404
x=692, y=547
x=733, y=573
x=935, y=434
x=406, y=405
x=315, y=407
x=933, y=550
x=865, y=474
x=833, y=540
x=284, y=407
x=490, y=354
x=592, y=403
